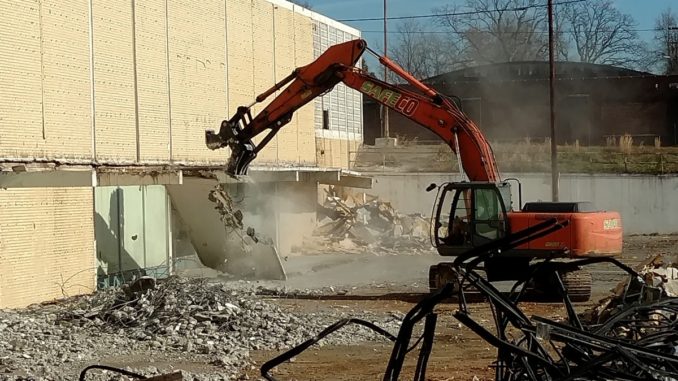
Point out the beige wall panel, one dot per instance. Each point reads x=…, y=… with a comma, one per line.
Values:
x=306, y=136
x=20, y=80
x=197, y=75
x=285, y=62
x=46, y=245
x=355, y=145
x=115, y=118
x=334, y=153
x=344, y=144
x=265, y=74
x=305, y=116
x=67, y=84
x=240, y=59
x=151, y=53
x=322, y=152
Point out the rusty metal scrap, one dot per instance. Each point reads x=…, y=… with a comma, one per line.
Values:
x=174, y=376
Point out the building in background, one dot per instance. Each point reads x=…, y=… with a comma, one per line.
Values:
x=338, y=114
x=510, y=102
x=103, y=107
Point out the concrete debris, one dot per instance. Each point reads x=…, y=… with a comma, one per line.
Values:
x=660, y=277
x=364, y=223
x=247, y=254
x=231, y=217
x=178, y=318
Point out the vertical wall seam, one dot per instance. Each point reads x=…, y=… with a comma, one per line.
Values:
x=135, y=74
x=226, y=81
x=294, y=50
x=94, y=231
x=275, y=79
x=169, y=232
x=42, y=69
x=120, y=227
x=348, y=134
x=254, y=90
x=169, y=88
x=144, y=189
x=91, y=80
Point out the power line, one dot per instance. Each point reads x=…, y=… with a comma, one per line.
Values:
x=508, y=32
x=516, y=9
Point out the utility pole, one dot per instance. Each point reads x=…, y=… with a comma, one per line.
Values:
x=384, y=109
x=555, y=176
x=672, y=49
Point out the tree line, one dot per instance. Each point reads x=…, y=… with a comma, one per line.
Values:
x=480, y=32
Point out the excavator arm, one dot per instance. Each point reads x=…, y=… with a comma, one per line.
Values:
x=337, y=64
x=305, y=84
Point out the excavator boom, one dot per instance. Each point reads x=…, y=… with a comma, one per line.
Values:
x=337, y=64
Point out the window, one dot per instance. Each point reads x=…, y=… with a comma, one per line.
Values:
x=488, y=214
x=326, y=119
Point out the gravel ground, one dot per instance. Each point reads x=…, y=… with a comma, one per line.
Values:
x=215, y=330
x=218, y=322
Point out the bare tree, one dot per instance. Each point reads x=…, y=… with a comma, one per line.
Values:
x=424, y=53
x=499, y=30
x=666, y=39
x=604, y=35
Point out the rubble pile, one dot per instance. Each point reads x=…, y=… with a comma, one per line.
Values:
x=365, y=223
x=659, y=281
x=220, y=322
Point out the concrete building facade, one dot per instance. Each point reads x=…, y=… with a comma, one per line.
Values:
x=103, y=105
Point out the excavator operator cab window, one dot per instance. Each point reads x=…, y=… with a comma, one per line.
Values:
x=469, y=215
x=488, y=215
x=453, y=217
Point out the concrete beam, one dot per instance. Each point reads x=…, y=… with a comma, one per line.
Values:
x=341, y=178
x=355, y=181
x=122, y=178
x=84, y=177
x=328, y=177
x=276, y=176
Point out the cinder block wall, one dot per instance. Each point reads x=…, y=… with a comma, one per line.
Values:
x=139, y=82
x=336, y=152
x=131, y=82
x=46, y=244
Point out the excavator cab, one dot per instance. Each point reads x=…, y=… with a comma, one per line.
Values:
x=469, y=214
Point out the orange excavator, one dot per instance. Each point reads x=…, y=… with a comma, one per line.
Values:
x=467, y=214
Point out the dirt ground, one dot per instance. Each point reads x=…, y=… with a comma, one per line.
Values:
x=373, y=286
x=458, y=353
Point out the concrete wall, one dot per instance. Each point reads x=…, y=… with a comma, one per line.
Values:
x=139, y=82
x=648, y=204
x=281, y=211
x=46, y=244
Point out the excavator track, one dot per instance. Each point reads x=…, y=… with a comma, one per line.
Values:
x=577, y=284
x=441, y=274
x=544, y=287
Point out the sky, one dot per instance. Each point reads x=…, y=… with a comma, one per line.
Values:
x=643, y=11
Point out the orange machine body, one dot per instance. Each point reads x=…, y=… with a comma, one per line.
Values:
x=587, y=234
